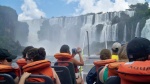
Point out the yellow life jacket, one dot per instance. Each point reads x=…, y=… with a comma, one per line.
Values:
x=115, y=57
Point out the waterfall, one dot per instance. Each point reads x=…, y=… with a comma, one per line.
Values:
x=87, y=24
x=146, y=30
x=115, y=32
x=57, y=31
x=137, y=31
x=130, y=13
x=125, y=33
x=111, y=33
x=34, y=27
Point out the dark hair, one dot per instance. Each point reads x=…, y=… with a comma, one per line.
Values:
x=36, y=54
x=64, y=49
x=9, y=60
x=24, y=52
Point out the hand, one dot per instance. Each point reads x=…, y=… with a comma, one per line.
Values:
x=79, y=50
x=25, y=75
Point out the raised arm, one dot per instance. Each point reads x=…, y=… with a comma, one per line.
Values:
x=81, y=62
x=23, y=77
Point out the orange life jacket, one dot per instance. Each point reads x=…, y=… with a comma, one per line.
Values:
x=6, y=69
x=137, y=72
x=42, y=67
x=21, y=62
x=113, y=67
x=100, y=63
x=65, y=57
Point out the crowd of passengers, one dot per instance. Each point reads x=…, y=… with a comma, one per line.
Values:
x=126, y=63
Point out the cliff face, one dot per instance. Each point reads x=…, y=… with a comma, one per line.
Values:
x=8, y=20
x=12, y=32
x=11, y=27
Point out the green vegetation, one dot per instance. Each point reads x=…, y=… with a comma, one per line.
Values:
x=142, y=13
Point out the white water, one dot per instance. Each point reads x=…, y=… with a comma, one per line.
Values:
x=34, y=27
x=125, y=33
x=72, y=30
x=137, y=31
x=146, y=30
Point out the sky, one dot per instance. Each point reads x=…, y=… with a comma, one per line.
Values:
x=34, y=9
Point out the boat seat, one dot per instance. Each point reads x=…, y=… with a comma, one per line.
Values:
x=70, y=66
x=7, y=79
x=47, y=79
x=91, y=76
x=63, y=74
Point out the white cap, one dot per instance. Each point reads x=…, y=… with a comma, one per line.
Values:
x=116, y=45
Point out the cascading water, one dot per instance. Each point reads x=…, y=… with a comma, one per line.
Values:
x=125, y=33
x=137, y=31
x=34, y=27
x=130, y=13
x=72, y=30
x=87, y=24
x=146, y=30
x=115, y=32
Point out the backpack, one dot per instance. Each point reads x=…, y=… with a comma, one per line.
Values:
x=91, y=76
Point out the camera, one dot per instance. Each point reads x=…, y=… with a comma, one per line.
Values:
x=75, y=50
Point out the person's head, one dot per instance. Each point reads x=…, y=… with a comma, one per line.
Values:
x=105, y=54
x=65, y=49
x=115, y=47
x=6, y=57
x=35, y=54
x=122, y=53
x=138, y=49
x=24, y=52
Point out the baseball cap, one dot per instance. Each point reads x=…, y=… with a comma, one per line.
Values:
x=5, y=54
x=138, y=48
x=116, y=45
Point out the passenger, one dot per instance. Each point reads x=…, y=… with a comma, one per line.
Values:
x=21, y=62
x=36, y=64
x=5, y=64
x=105, y=58
x=136, y=71
x=115, y=48
x=65, y=55
x=111, y=69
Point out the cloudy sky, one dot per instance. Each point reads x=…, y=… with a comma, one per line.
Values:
x=33, y=9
